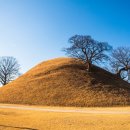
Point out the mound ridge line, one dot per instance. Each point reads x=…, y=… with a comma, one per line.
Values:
x=65, y=82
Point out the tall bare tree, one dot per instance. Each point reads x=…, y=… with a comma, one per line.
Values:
x=87, y=49
x=120, y=61
x=9, y=69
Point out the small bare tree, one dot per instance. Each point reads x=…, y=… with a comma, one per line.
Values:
x=9, y=69
x=120, y=61
x=87, y=49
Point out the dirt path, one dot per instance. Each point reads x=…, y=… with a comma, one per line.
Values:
x=62, y=110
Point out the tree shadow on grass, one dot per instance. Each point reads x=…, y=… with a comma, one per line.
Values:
x=23, y=128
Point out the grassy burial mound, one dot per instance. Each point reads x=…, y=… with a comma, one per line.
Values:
x=65, y=82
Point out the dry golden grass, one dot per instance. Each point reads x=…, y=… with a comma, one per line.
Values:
x=13, y=119
x=64, y=82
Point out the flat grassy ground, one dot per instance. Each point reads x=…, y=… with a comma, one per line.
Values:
x=18, y=119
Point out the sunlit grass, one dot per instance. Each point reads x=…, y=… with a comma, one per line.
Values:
x=65, y=82
x=13, y=119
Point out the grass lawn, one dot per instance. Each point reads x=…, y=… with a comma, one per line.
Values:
x=14, y=119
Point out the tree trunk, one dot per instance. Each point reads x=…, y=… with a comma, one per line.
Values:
x=119, y=72
x=5, y=80
x=88, y=66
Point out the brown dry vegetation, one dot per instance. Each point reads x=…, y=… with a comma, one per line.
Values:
x=65, y=82
x=15, y=119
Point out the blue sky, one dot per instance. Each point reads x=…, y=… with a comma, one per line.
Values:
x=37, y=30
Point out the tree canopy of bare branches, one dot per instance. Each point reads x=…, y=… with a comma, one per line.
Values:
x=87, y=49
x=120, y=60
x=9, y=69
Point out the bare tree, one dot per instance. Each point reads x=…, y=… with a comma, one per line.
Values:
x=87, y=49
x=120, y=61
x=9, y=69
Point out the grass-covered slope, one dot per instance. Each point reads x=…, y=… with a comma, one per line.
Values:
x=65, y=82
